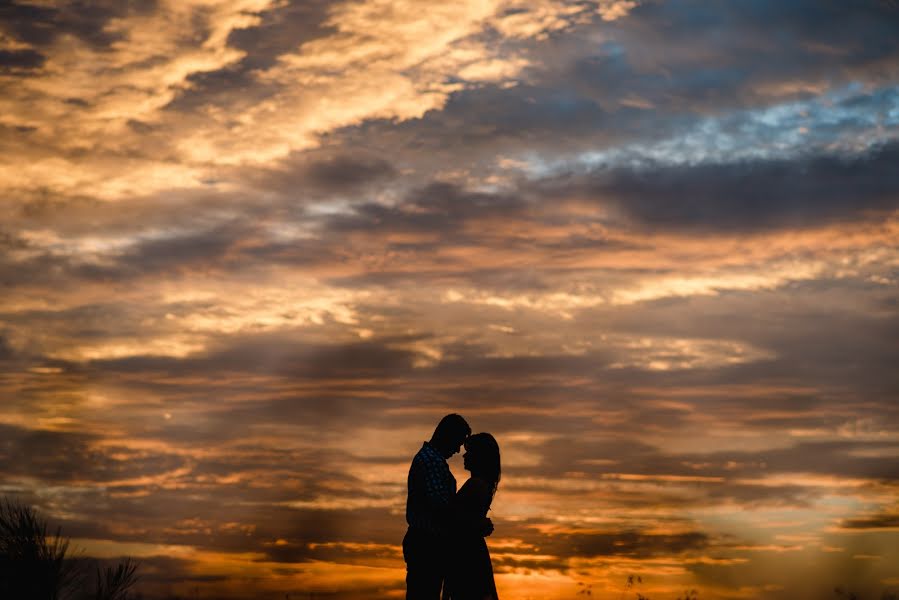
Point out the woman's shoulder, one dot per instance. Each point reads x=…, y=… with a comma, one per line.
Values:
x=474, y=497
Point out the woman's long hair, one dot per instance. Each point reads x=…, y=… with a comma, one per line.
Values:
x=484, y=459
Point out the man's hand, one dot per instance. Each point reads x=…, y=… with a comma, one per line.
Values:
x=486, y=527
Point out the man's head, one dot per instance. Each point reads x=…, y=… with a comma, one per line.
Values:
x=451, y=433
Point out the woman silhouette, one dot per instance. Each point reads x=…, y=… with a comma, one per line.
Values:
x=470, y=573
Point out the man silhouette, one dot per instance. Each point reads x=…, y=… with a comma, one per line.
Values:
x=431, y=490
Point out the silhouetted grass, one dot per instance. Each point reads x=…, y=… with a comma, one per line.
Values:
x=32, y=563
x=37, y=566
x=114, y=583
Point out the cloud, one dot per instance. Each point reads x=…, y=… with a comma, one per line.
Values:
x=882, y=520
x=253, y=251
x=318, y=175
x=37, y=453
x=26, y=59
x=6, y=351
x=628, y=543
x=747, y=196
x=397, y=69
x=42, y=25
x=816, y=43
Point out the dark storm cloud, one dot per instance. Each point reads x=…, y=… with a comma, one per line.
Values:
x=37, y=269
x=186, y=250
x=339, y=552
x=160, y=517
x=439, y=208
x=88, y=321
x=318, y=174
x=142, y=218
x=555, y=551
x=281, y=30
x=562, y=453
x=171, y=253
x=6, y=350
x=41, y=25
x=15, y=60
x=340, y=406
x=281, y=356
x=495, y=113
x=747, y=195
x=612, y=77
x=659, y=73
x=838, y=458
x=736, y=475
x=346, y=171
x=67, y=457
x=254, y=467
x=165, y=569
x=189, y=221
x=303, y=527
x=194, y=506
x=227, y=520
x=860, y=364
x=10, y=242
x=626, y=543
x=224, y=87
x=740, y=196
x=858, y=367
x=782, y=321
x=478, y=125
x=883, y=520
x=717, y=54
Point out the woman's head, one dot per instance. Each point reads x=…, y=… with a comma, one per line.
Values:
x=482, y=458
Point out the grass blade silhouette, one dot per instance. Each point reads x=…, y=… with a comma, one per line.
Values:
x=32, y=564
x=114, y=583
x=37, y=566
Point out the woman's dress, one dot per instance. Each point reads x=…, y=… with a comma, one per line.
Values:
x=470, y=573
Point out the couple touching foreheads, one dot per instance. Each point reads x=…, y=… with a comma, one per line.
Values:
x=444, y=547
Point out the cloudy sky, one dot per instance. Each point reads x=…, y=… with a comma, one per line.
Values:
x=252, y=250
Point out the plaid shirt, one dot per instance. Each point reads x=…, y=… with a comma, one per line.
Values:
x=431, y=488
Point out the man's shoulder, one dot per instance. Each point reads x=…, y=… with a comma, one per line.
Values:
x=428, y=455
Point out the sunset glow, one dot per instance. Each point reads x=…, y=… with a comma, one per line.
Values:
x=251, y=251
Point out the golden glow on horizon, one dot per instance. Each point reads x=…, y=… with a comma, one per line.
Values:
x=252, y=250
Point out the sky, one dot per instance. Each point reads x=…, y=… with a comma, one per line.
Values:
x=251, y=251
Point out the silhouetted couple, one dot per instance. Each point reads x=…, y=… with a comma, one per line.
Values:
x=444, y=547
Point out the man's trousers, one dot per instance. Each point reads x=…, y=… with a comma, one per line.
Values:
x=425, y=556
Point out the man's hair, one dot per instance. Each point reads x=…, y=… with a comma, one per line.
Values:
x=452, y=427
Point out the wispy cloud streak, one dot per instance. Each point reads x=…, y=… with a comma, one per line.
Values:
x=251, y=252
